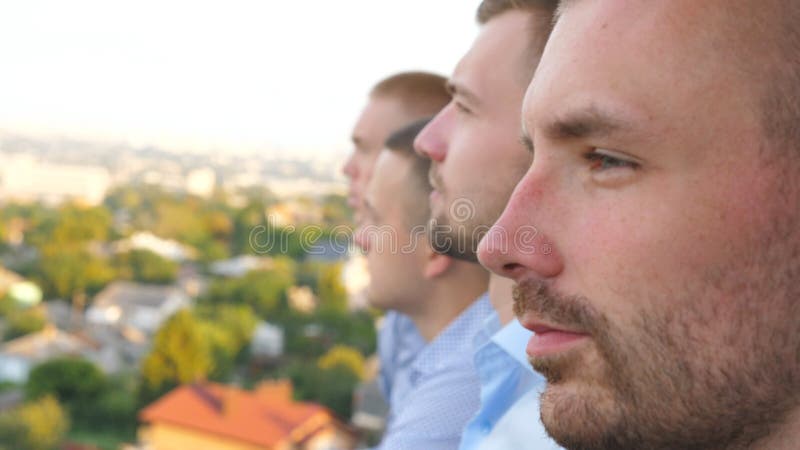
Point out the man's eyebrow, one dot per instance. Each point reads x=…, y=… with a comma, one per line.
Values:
x=457, y=89
x=585, y=123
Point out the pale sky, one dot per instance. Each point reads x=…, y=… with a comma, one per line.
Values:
x=217, y=74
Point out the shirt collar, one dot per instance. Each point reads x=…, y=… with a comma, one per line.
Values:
x=455, y=339
x=513, y=339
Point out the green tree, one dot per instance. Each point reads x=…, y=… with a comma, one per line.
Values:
x=75, y=382
x=332, y=387
x=69, y=272
x=265, y=291
x=37, y=425
x=331, y=290
x=145, y=266
x=24, y=321
x=77, y=224
x=180, y=354
x=229, y=329
x=344, y=357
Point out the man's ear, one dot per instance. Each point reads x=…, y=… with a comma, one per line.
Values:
x=437, y=265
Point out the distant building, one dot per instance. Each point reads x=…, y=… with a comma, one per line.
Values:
x=294, y=212
x=191, y=280
x=328, y=250
x=212, y=416
x=295, y=186
x=142, y=307
x=267, y=341
x=166, y=248
x=19, y=356
x=59, y=313
x=23, y=178
x=122, y=348
x=240, y=266
x=201, y=182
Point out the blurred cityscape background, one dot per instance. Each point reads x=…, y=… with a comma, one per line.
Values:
x=149, y=153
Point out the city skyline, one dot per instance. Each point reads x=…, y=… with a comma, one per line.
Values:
x=236, y=76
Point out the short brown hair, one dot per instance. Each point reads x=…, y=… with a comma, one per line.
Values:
x=421, y=93
x=543, y=12
x=402, y=142
x=489, y=9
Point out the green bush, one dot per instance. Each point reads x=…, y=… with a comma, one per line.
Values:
x=76, y=383
x=37, y=425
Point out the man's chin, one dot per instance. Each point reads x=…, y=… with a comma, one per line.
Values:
x=578, y=406
x=579, y=415
x=376, y=301
x=445, y=239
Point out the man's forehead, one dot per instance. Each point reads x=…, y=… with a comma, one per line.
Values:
x=502, y=41
x=461, y=79
x=377, y=119
x=602, y=57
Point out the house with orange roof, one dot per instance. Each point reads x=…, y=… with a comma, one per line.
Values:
x=210, y=416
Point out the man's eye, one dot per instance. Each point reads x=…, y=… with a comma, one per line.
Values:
x=602, y=161
x=461, y=108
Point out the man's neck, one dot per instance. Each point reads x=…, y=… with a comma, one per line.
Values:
x=448, y=297
x=500, y=294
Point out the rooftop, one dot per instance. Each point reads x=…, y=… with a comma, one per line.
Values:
x=266, y=416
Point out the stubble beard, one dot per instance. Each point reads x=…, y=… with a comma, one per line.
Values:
x=659, y=383
x=458, y=240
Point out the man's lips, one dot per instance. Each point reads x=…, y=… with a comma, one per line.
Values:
x=550, y=339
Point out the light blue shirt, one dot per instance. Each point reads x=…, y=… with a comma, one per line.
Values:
x=399, y=342
x=506, y=377
x=443, y=391
x=520, y=428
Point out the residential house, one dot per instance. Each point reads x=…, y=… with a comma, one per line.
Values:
x=19, y=356
x=166, y=248
x=267, y=341
x=191, y=280
x=212, y=416
x=240, y=266
x=142, y=307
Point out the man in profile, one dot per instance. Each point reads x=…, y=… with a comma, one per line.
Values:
x=477, y=159
x=665, y=191
x=436, y=291
x=393, y=102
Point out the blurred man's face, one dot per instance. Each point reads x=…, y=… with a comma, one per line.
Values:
x=395, y=253
x=474, y=141
x=380, y=117
x=662, y=284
